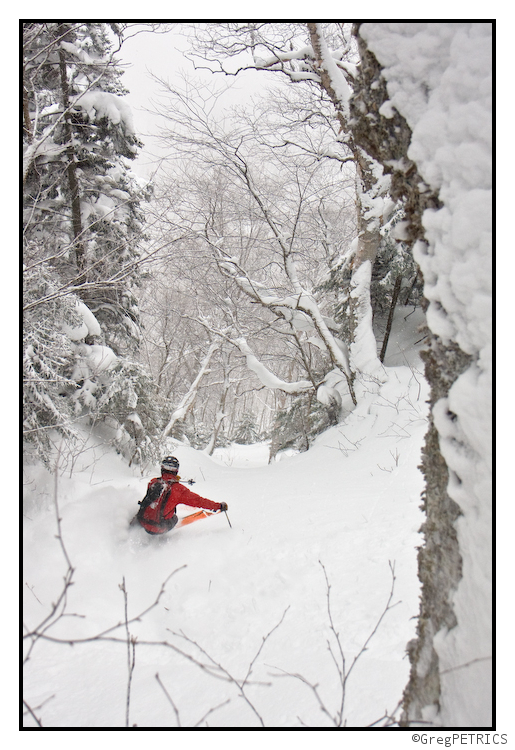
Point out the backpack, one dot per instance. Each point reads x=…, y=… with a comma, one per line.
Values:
x=156, y=499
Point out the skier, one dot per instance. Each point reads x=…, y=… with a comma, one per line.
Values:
x=157, y=512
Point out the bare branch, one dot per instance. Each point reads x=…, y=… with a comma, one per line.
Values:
x=338, y=718
x=131, y=653
x=170, y=700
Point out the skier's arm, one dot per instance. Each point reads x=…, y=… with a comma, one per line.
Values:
x=183, y=495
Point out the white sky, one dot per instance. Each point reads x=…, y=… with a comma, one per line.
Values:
x=144, y=55
x=162, y=55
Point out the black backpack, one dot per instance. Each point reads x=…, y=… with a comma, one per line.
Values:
x=158, y=492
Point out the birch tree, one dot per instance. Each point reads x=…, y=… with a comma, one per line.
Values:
x=322, y=56
x=188, y=399
x=264, y=228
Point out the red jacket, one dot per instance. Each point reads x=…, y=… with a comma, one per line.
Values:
x=165, y=493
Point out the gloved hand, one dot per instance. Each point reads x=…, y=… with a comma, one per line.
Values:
x=223, y=506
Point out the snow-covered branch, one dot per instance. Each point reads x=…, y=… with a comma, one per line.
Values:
x=300, y=310
x=188, y=399
x=331, y=75
x=265, y=376
x=39, y=144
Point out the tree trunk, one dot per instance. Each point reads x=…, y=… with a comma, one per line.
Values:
x=187, y=401
x=27, y=126
x=395, y=297
x=71, y=168
x=219, y=416
x=440, y=565
x=363, y=346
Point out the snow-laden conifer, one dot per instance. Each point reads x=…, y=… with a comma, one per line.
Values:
x=83, y=233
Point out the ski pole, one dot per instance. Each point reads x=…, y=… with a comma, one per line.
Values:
x=230, y=524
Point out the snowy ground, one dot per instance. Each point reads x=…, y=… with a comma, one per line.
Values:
x=351, y=505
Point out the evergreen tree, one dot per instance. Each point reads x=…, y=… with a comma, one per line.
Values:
x=81, y=202
x=300, y=422
x=83, y=230
x=394, y=260
x=47, y=355
x=394, y=270
x=246, y=431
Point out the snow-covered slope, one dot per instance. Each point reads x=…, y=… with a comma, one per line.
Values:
x=350, y=504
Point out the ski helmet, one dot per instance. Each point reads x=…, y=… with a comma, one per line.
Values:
x=170, y=463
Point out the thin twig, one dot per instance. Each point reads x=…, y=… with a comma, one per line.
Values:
x=341, y=671
x=314, y=688
x=31, y=712
x=390, y=717
x=466, y=664
x=224, y=673
x=211, y=710
x=388, y=606
x=131, y=658
x=169, y=697
x=266, y=637
x=32, y=590
x=228, y=676
x=339, y=659
x=101, y=636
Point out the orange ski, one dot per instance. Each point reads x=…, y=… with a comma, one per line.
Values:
x=192, y=518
